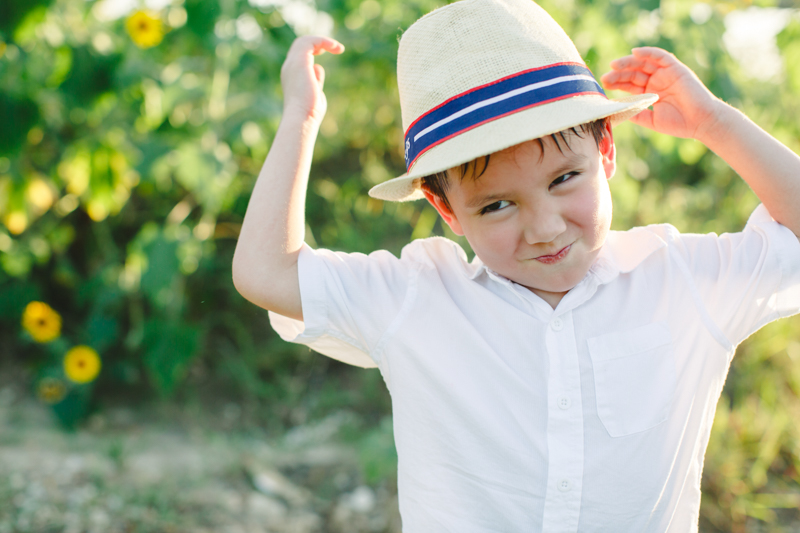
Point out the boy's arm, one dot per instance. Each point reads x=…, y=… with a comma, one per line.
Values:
x=686, y=108
x=265, y=261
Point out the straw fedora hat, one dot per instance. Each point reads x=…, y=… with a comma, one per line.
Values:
x=479, y=76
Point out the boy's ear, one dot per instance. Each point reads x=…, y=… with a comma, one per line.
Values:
x=608, y=152
x=444, y=211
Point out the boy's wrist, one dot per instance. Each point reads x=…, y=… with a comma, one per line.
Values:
x=299, y=116
x=722, y=116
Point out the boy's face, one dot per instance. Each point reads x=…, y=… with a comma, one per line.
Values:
x=539, y=219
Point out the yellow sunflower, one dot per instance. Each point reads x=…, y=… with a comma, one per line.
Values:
x=144, y=29
x=81, y=364
x=41, y=321
x=51, y=390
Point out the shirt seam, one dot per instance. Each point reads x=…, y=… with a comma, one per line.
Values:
x=784, y=262
x=338, y=335
x=315, y=330
x=328, y=331
x=708, y=322
x=411, y=296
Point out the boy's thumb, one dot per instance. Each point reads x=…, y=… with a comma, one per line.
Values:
x=319, y=72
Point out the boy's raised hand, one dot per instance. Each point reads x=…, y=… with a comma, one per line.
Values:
x=685, y=107
x=302, y=80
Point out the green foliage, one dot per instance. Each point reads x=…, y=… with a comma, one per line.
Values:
x=168, y=350
x=125, y=173
x=20, y=115
x=73, y=408
x=376, y=452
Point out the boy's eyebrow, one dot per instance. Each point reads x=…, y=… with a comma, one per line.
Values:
x=478, y=201
x=568, y=165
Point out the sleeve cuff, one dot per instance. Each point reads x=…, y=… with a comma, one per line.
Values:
x=787, y=251
x=312, y=330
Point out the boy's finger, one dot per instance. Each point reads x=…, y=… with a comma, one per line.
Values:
x=329, y=45
x=314, y=45
x=633, y=62
x=609, y=78
x=660, y=56
x=627, y=87
x=318, y=44
x=625, y=62
x=634, y=77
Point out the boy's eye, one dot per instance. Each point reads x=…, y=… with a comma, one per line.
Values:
x=497, y=206
x=561, y=179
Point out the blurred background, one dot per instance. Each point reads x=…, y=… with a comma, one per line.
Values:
x=140, y=392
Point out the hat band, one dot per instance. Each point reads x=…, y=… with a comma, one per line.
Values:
x=494, y=100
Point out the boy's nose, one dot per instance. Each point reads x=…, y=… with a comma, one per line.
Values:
x=541, y=226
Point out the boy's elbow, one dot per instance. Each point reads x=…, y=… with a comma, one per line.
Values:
x=281, y=295
x=242, y=281
x=238, y=282
x=246, y=286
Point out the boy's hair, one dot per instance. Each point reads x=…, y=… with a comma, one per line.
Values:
x=438, y=183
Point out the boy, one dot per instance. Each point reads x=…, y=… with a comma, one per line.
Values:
x=567, y=378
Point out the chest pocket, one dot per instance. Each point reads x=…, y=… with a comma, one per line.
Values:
x=634, y=376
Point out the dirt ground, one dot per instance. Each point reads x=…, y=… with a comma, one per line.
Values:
x=168, y=469
x=128, y=471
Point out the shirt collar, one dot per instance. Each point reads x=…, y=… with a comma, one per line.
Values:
x=622, y=252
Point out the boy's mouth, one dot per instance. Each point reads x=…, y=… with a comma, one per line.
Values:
x=555, y=258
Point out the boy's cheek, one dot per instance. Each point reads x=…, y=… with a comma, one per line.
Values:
x=494, y=248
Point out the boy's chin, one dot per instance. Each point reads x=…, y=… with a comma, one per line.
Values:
x=556, y=284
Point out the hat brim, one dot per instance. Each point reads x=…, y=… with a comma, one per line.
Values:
x=508, y=131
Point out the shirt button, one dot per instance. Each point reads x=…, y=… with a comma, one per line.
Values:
x=556, y=324
x=564, y=402
x=564, y=485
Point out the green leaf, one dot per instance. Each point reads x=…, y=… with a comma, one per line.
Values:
x=169, y=348
x=102, y=331
x=162, y=267
x=62, y=66
x=378, y=455
x=74, y=407
x=90, y=75
x=19, y=116
x=26, y=31
x=12, y=12
x=14, y=296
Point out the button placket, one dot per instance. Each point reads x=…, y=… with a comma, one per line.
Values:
x=565, y=427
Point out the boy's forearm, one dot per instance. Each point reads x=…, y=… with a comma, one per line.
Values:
x=771, y=169
x=265, y=261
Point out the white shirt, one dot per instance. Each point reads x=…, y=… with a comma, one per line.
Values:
x=510, y=416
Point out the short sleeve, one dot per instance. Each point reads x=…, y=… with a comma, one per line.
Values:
x=746, y=279
x=349, y=301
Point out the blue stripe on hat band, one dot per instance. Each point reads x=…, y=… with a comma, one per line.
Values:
x=495, y=100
